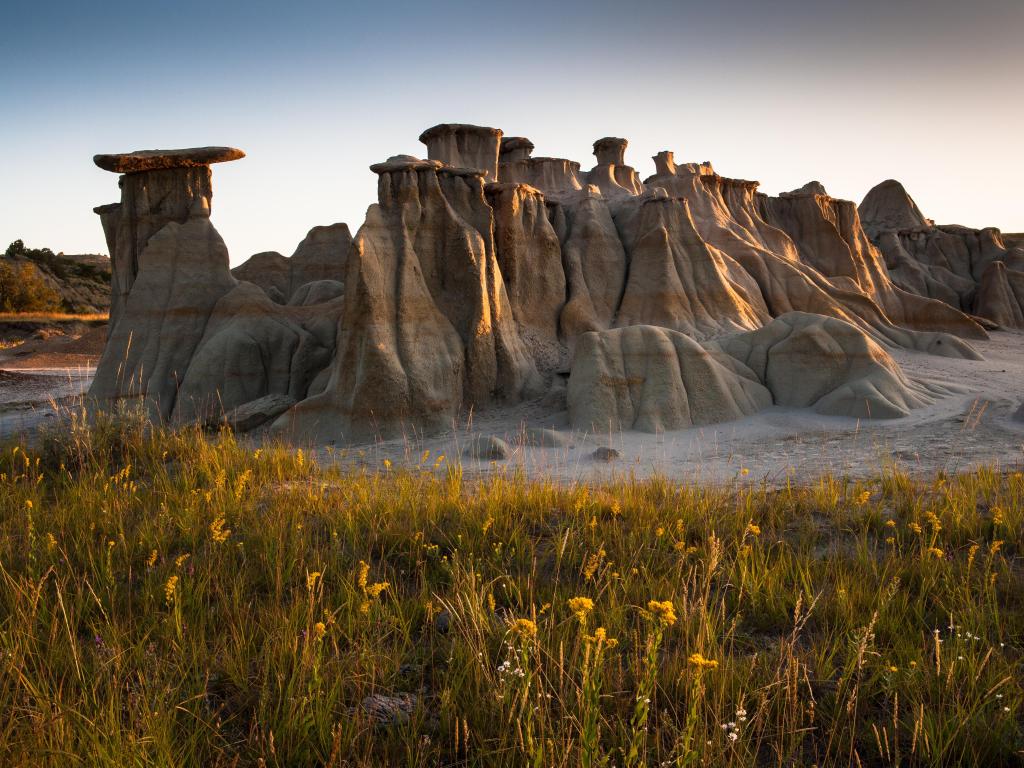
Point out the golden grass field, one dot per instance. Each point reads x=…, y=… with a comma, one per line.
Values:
x=170, y=598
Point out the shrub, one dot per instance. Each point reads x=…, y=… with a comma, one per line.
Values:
x=22, y=289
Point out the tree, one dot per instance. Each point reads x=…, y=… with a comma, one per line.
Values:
x=22, y=289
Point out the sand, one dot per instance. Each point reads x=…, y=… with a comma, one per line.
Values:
x=775, y=446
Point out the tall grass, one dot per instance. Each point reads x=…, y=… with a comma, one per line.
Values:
x=172, y=599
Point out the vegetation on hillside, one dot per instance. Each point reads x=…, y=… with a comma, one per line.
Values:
x=173, y=599
x=39, y=280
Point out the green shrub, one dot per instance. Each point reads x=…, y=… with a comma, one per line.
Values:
x=22, y=289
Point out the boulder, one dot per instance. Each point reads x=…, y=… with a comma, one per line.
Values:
x=654, y=380
x=488, y=448
x=256, y=413
x=828, y=365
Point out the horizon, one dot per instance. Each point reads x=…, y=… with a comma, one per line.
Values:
x=846, y=96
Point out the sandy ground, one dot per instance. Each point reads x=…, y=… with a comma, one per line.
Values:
x=955, y=433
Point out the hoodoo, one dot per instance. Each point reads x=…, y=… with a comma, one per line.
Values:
x=483, y=275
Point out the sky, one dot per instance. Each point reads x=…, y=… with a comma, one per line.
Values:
x=848, y=93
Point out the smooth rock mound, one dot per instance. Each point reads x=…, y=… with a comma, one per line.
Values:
x=654, y=380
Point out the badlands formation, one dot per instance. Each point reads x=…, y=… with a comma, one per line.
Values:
x=486, y=277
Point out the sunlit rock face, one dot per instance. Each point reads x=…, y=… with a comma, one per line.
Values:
x=484, y=274
x=972, y=270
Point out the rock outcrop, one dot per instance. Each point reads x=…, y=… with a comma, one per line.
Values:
x=189, y=340
x=654, y=379
x=684, y=299
x=427, y=326
x=950, y=263
x=322, y=255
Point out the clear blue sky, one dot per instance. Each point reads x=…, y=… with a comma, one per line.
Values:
x=850, y=93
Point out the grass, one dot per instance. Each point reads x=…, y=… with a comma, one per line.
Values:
x=53, y=317
x=173, y=599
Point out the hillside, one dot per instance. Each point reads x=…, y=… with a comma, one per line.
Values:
x=81, y=282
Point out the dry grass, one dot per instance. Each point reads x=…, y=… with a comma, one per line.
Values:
x=53, y=317
x=170, y=599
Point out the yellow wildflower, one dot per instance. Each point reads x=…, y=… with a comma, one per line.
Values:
x=362, y=575
x=863, y=498
x=753, y=530
x=319, y=630
x=374, y=590
x=523, y=628
x=581, y=606
x=170, y=588
x=914, y=527
x=701, y=662
x=664, y=612
x=593, y=563
x=997, y=516
x=51, y=542
x=744, y=472
x=151, y=560
x=659, y=531
x=935, y=552
x=890, y=540
x=218, y=532
x=180, y=560
x=995, y=546
x=890, y=523
x=311, y=579
x=387, y=463
x=893, y=669
x=28, y=503
x=600, y=639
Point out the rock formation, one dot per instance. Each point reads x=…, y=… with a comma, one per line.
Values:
x=483, y=274
x=188, y=339
x=652, y=379
x=322, y=255
x=973, y=270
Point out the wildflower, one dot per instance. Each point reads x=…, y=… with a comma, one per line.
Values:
x=702, y=662
x=995, y=546
x=523, y=627
x=744, y=472
x=936, y=552
x=373, y=591
x=933, y=520
x=733, y=736
x=51, y=542
x=311, y=579
x=741, y=715
x=664, y=612
x=914, y=527
x=600, y=638
x=581, y=606
x=863, y=498
x=890, y=523
x=319, y=630
x=387, y=463
x=151, y=560
x=752, y=529
x=659, y=531
x=893, y=669
x=592, y=564
x=218, y=532
x=170, y=589
x=180, y=560
x=362, y=575
x=28, y=503
x=997, y=516
x=913, y=665
x=890, y=540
